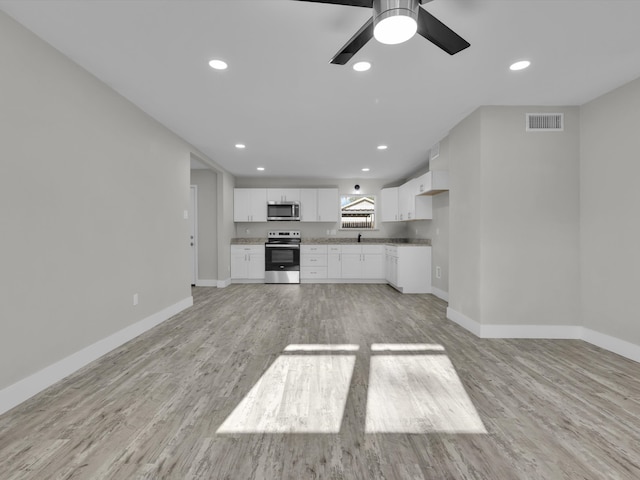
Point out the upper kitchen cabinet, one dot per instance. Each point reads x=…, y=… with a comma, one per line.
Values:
x=411, y=206
x=249, y=204
x=328, y=205
x=283, y=194
x=389, y=208
x=433, y=182
x=319, y=204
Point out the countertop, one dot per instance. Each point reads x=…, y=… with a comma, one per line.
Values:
x=341, y=241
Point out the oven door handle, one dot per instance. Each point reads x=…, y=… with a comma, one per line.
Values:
x=282, y=245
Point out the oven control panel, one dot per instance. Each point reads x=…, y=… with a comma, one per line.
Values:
x=284, y=234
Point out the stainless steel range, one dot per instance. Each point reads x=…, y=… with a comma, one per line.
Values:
x=282, y=257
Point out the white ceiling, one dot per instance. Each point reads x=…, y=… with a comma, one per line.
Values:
x=303, y=117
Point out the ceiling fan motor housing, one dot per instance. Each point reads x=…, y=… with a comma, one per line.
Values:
x=384, y=9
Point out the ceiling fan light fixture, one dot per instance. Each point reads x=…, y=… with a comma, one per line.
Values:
x=395, y=21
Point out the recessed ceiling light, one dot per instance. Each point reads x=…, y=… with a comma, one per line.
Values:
x=240, y=145
x=218, y=64
x=521, y=65
x=365, y=169
x=260, y=169
x=382, y=147
x=361, y=66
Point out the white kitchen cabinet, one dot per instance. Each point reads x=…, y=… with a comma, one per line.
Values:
x=249, y=204
x=433, y=182
x=362, y=262
x=412, y=206
x=389, y=207
x=319, y=204
x=334, y=261
x=247, y=262
x=313, y=262
x=328, y=205
x=408, y=268
x=406, y=200
x=308, y=204
x=391, y=264
x=283, y=194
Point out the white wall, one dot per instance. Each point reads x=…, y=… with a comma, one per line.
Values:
x=226, y=226
x=92, y=195
x=514, y=219
x=530, y=219
x=610, y=200
x=465, y=197
x=207, y=241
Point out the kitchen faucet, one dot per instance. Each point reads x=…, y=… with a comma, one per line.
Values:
x=359, y=237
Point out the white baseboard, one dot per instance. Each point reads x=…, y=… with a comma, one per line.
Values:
x=206, y=283
x=613, y=344
x=560, y=332
x=441, y=294
x=37, y=382
x=464, y=321
x=224, y=283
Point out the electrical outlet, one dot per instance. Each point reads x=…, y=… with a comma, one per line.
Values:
x=438, y=272
x=135, y=299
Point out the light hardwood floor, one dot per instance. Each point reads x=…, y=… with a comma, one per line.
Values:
x=152, y=408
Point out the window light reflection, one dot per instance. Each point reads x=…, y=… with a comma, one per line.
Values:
x=321, y=348
x=297, y=394
x=418, y=394
x=406, y=347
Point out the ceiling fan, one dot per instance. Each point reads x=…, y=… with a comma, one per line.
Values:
x=395, y=21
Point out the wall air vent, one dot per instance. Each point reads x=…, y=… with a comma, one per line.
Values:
x=435, y=151
x=545, y=122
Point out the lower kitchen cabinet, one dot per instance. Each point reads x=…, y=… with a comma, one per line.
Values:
x=313, y=262
x=405, y=267
x=408, y=268
x=247, y=262
x=365, y=262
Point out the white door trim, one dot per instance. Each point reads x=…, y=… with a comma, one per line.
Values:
x=193, y=231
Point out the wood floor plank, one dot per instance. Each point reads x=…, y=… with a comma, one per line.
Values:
x=552, y=409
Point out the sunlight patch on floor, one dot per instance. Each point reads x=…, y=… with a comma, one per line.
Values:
x=321, y=348
x=406, y=347
x=418, y=394
x=297, y=394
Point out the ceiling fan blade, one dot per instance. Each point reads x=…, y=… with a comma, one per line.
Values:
x=354, y=44
x=438, y=33
x=352, y=3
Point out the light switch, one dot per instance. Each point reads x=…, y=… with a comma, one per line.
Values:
x=186, y=215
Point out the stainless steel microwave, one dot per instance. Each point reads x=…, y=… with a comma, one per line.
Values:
x=287, y=211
